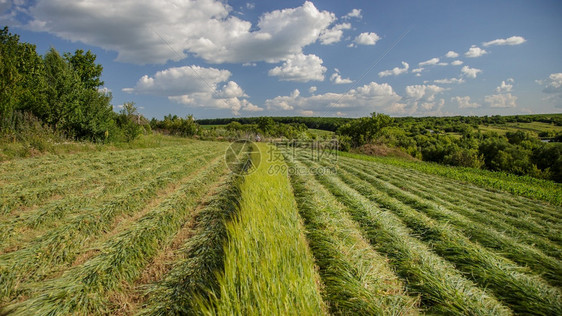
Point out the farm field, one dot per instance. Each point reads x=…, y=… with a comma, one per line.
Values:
x=173, y=230
x=533, y=127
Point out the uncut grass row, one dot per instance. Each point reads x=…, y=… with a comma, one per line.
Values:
x=27, y=194
x=485, y=196
x=523, y=186
x=268, y=268
x=524, y=293
x=522, y=231
x=195, y=274
x=357, y=279
x=59, y=246
x=443, y=290
x=55, y=213
x=541, y=264
x=81, y=289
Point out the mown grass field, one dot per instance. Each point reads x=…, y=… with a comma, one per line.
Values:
x=173, y=230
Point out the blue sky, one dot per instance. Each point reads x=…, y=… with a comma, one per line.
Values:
x=321, y=58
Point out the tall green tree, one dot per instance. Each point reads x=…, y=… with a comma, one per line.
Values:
x=21, y=78
x=84, y=64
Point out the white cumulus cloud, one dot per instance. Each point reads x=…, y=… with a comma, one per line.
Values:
x=475, y=51
x=395, y=71
x=359, y=101
x=156, y=31
x=553, y=88
x=333, y=35
x=367, y=38
x=470, y=72
x=514, y=40
x=448, y=81
x=452, y=54
x=422, y=99
x=457, y=63
x=337, y=79
x=504, y=87
x=196, y=86
x=312, y=89
x=502, y=100
x=300, y=68
x=432, y=61
x=464, y=102
x=355, y=13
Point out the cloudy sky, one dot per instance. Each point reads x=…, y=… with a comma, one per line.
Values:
x=321, y=58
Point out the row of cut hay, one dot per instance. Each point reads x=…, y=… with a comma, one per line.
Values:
x=49, y=169
x=103, y=189
x=357, y=279
x=538, y=262
x=60, y=246
x=524, y=186
x=195, y=275
x=82, y=289
x=520, y=229
x=524, y=293
x=512, y=205
x=441, y=287
x=14, y=197
x=268, y=268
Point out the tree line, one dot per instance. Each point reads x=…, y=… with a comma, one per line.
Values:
x=458, y=141
x=58, y=94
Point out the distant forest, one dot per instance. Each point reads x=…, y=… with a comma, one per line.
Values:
x=333, y=123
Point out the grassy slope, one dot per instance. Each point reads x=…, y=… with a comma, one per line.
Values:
x=538, y=189
x=269, y=269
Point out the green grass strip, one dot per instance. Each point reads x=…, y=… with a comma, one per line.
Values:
x=268, y=267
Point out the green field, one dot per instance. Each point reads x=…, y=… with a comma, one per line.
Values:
x=532, y=127
x=173, y=229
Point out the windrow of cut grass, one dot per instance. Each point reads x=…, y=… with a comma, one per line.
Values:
x=540, y=264
x=49, y=169
x=524, y=186
x=268, y=268
x=194, y=276
x=82, y=289
x=524, y=293
x=33, y=222
x=522, y=229
x=441, y=287
x=59, y=246
x=499, y=202
x=357, y=279
x=14, y=197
